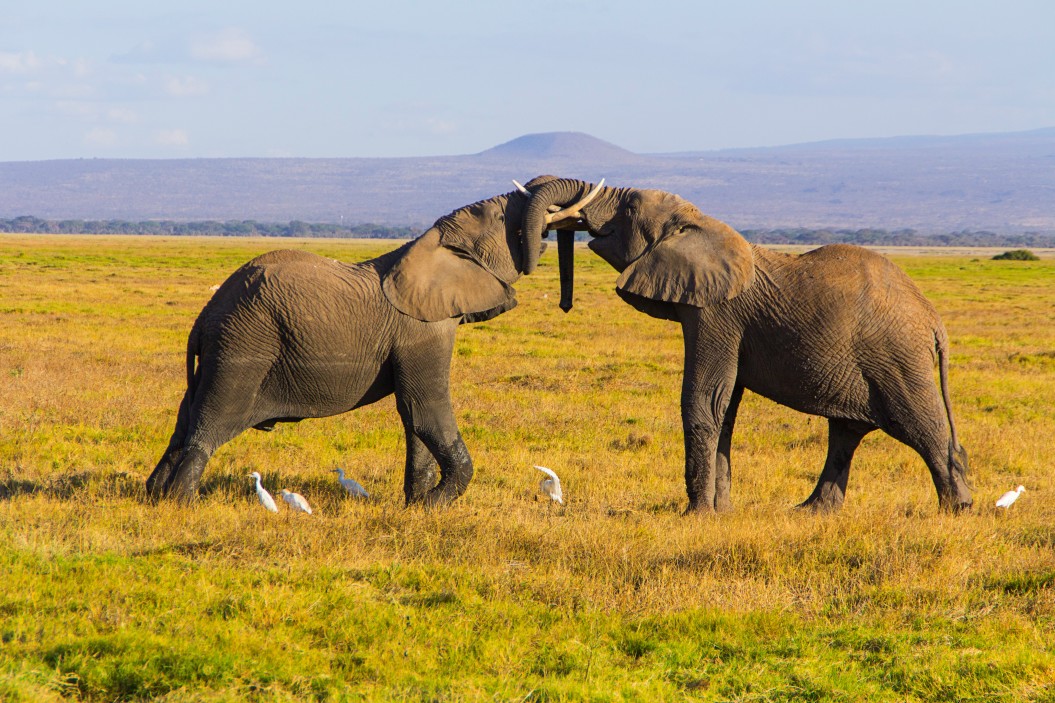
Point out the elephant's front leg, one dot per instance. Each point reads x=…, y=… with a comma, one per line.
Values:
x=705, y=400
x=707, y=395
x=420, y=473
x=723, y=481
x=434, y=434
x=456, y=471
x=422, y=385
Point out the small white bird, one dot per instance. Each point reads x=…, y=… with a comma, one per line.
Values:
x=550, y=486
x=1010, y=497
x=351, y=485
x=296, y=501
x=265, y=498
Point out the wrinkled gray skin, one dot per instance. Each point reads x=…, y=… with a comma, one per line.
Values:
x=838, y=332
x=292, y=335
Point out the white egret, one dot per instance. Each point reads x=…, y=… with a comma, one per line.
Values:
x=296, y=501
x=550, y=486
x=1010, y=497
x=351, y=485
x=265, y=498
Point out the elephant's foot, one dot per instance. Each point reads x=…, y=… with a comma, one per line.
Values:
x=162, y=474
x=699, y=508
x=417, y=490
x=956, y=497
x=825, y=503
x=439, y=496
x=955, y=505
x=818, y=507
x=183, y=485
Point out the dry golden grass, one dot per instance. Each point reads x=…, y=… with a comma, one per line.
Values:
x=92, y=332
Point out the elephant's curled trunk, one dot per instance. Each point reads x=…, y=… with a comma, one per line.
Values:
x=557, y=192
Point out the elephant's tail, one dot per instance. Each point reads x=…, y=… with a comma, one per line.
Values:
x=941, y=346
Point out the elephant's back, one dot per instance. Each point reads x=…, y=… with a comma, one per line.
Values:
x=315, y=333
x=289, y=273
x=302, y=268
x=289, y=294
x=868, y=282
x=844, y=321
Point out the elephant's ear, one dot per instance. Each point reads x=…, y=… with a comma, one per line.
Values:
x=431, y=282
x=700, y=263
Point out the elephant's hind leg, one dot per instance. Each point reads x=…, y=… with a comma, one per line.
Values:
x=223, y=408
x=162, y=474
x=844, y=436
x=957, y=468
x=919, y=420
x=183, y=485
x=947, y=465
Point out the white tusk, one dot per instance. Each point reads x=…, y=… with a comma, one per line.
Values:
x=522, y=189
x=575, y=211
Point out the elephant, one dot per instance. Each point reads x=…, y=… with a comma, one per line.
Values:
x=839, y=332
x=292, y=335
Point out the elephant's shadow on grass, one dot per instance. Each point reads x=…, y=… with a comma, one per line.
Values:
x=72, y=485
x=116, y=485
x=319, y=490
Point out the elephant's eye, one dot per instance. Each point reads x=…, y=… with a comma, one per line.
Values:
x=501, y=217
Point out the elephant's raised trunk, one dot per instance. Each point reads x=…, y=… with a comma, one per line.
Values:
x=538, y=217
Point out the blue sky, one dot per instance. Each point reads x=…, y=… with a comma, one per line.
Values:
x=162, y=79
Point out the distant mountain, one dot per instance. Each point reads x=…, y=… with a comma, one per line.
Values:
x=566, y=146
x=997, y=182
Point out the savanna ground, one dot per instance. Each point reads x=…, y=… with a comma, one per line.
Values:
x=503, y=596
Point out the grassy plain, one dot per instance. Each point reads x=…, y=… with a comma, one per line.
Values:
x=106, y=597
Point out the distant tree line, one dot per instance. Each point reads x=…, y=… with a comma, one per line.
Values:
x=901, y=237
x=296, y=228
x=229, y=228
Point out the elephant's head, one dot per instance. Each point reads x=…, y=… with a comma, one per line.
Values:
x=666, y=249
x=465, y=264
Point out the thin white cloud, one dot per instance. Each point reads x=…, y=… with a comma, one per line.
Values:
x=81, y=68
x=440, y=127
x=19, y=63
x=172, y=138
x=185, y=86
x=143, y=52
x=122, y=115
x=100, y=136
x=79, y=109
x=229, y=46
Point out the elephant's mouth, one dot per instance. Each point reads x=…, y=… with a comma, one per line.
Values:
x=605, y=246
